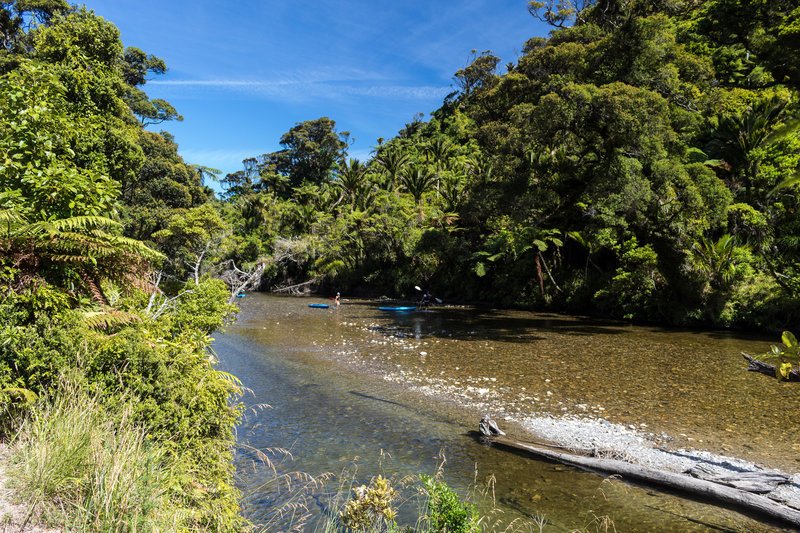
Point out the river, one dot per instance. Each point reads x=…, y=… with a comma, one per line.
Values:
x=356, y=391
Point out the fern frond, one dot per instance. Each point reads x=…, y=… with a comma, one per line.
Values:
x=9, y=216
x=107, y=320
x=84, y=223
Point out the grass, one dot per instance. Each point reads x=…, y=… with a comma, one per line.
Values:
x=82, y=469
x=418, y=504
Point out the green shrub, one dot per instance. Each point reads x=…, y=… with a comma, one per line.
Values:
x=370, y=507
x=446, y=512
x=634, y=291
x=155, y=374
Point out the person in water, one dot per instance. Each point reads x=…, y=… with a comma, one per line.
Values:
x=336, y=300
x=426, y=300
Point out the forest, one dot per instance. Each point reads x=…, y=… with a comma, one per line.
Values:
x=640, y=162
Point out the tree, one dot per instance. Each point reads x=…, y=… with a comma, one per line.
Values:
x=162, y=184
x=418, y=180
x=74, y=254
x=189, y=238
x=350, y=179
x=136, y=64
x=478, y=74
x=740, y=138
x=149, y=111
x=311, y=150
x=16, y=19
x=42, y=177
x=439, y=149
x=393, y=161
x=558, y=13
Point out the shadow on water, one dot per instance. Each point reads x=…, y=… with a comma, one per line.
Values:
x=710, y=527
x=468, y=323
x=379, y=399
x=464, y=323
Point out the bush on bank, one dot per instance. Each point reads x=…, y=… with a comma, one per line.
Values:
x=151, y=382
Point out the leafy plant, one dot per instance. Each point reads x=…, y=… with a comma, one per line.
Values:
x=370, y=508
x=784, y=355
x=446, y=512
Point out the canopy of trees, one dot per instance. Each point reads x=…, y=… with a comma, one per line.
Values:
x=102, y=292
x=639, y=162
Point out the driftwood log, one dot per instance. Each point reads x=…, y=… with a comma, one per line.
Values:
x=757, y=482
x=719, y=491
x=298, y=288
x=757, y=365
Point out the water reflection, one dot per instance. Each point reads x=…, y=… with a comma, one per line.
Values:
x=318, y=370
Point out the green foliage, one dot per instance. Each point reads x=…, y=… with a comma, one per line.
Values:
x=634, y=290
x=370, y=507
x=74, y=254
x=151, y=111
x=478, y=74
x=140, y=437
x=446, y=512
x=190, y=237
x=662, y=136
x=785, y=355
x=160, y=368
x=311, y=149
x=40, y=174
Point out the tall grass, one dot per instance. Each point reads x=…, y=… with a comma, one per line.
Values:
x=430, y=507
x=83, y=469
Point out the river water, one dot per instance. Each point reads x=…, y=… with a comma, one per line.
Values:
x=357, y=392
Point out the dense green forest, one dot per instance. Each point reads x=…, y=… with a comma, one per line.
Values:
x=118, y=417
x=639, y=163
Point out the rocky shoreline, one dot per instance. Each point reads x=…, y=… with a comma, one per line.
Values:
x=618, y=442
x=596, y=436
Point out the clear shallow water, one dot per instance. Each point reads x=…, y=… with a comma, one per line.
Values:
x=397, y=391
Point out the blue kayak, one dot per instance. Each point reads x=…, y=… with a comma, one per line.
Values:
x=397, y=308
x=321, y=306
x=240, y=295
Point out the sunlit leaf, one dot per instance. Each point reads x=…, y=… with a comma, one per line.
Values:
x=789, y=340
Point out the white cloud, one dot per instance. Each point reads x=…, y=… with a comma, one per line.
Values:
x=306, y=89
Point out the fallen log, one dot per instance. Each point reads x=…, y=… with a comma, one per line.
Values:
x=757, y=365
x=739, y=499
x=297, y=288
x=757, y=482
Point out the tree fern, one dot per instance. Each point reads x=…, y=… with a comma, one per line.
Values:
x=72, y=252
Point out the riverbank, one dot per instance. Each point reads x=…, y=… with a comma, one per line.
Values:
x=604, y=439
x=598, y=438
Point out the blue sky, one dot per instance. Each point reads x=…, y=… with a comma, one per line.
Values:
x=242, y=73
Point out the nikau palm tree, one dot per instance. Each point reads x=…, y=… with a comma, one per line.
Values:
x=393, y=162
x=351, y=180
x=439, y=149
x=739, y=139
x=417, y=181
